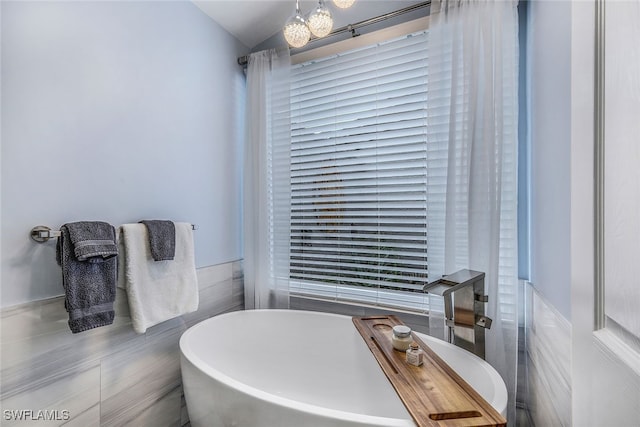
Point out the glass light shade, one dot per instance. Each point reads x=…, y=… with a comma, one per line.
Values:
x=296, y=31
x=343, y=4
x=320, y=21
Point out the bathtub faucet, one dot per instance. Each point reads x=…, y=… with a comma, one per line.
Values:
x=464, y=299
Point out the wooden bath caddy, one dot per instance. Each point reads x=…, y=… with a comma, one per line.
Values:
x=434, y=394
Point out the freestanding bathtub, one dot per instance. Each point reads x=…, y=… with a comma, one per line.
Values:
x=278, y=368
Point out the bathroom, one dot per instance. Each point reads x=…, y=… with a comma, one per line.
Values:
x=121, y=111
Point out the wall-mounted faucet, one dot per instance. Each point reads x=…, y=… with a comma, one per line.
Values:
x=464, y=299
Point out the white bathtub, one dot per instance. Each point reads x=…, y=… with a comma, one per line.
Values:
x=278, y=368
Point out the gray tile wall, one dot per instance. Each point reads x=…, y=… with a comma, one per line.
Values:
x=548, y=363
x=108, y=376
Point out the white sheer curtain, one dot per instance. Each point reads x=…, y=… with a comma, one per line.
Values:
x=266, y=181
x=472, y=117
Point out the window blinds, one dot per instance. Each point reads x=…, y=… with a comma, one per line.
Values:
x=358, y=181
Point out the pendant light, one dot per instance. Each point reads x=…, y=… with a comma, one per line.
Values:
x=320, y=21
x=296, y=31
x=343, y=4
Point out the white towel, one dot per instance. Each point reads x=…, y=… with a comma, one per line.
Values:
x=157, y=290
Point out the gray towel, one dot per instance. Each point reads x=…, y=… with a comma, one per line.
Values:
x=89, y=285
x=162, y=238
x=92, y=241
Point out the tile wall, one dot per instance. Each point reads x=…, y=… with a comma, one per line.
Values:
x=548, y=363
x=108, y=376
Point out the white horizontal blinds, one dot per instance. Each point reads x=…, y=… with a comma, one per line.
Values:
x=358, y=182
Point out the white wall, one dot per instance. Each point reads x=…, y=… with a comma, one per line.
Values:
x=116, y=111
x=548, y=332
x=549, y=62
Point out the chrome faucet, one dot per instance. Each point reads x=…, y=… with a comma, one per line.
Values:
x=464, y=299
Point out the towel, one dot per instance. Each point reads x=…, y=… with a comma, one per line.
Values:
x=92, y=241
x=162, y=239
x=156, y=290
x=88, y=273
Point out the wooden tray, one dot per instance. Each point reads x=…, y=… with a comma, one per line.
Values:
x=434, y=394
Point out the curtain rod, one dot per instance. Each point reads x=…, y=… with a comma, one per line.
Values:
x=243, y=60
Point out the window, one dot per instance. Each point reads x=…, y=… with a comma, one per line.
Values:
x=358, y=181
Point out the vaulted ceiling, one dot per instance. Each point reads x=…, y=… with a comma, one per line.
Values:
x=253, y=21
